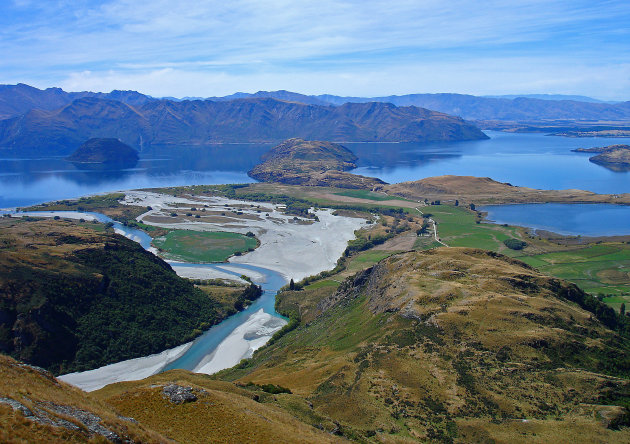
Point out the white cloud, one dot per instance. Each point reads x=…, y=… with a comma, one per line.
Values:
x=486, y=76
x=280, y=43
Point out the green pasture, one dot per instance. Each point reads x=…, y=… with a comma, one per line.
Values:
x=196, y=246
x=603, y=268
x=367, y=194
x=457, y=227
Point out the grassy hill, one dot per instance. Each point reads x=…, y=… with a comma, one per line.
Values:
x=451, y=345
x=36, y=408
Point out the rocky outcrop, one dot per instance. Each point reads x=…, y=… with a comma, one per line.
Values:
x=178, y=394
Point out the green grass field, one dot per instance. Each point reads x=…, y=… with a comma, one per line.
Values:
x=596, y=269
x=458, y=228
x=367, y=194
x=195, y=246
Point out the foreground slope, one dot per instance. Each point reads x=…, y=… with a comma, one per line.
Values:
x=73, y=298
x=452, y=344
x=221, y=412
x=36, y=408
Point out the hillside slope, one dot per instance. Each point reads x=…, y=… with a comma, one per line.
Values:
x=37, y=408
x=483, y=190
x=73, y=299
x=452, y=345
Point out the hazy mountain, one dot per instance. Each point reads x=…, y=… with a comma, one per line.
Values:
x=279, y=95
x=162, y=122
x=19, y=99
x=550, y=97
x=517, y=107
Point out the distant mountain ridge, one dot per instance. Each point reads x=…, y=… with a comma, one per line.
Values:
x=19, y=99
x=163, y=122
x=470, y=107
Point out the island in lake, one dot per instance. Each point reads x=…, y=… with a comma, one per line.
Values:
x=104, y=151
x=613, y=157
x=311, y=163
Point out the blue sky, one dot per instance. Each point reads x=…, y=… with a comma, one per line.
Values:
x=345, y=47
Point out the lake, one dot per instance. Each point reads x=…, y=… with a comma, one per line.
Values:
x=532, y=160
x=568, y=219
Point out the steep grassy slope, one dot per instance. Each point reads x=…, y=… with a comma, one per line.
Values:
x=72, y=298
x=36, y=408
x=223, y=412
x=451, y=345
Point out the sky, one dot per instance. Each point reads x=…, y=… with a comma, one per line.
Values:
x=367, y=48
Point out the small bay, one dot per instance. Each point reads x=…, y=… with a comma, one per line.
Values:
x=567, y=219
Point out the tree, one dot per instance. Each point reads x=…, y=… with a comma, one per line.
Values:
x=622, y=309
x=291, y=285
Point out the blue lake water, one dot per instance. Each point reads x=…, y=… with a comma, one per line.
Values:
x=532, y=160
x=568, y=219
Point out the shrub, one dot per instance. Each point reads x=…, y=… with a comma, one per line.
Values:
x=515, y=244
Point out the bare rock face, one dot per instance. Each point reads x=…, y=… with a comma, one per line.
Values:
x=178, y=394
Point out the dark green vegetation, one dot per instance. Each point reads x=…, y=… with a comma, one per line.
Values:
x=198, y=122
x=450, y=345
x=515, y=244
x=110, y=151
x=197, y=246
x=72, y=298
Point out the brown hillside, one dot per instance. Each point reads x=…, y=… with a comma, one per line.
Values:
x=36, y=408
x=483, y=190
x=452, y=344
x=222, y=413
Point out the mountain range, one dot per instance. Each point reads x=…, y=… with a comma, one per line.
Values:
x=513, y=108
x=57, y=122
x=138, y=122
